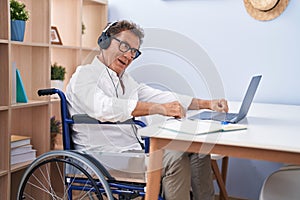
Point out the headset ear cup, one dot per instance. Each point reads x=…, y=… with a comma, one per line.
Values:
x=104, y=41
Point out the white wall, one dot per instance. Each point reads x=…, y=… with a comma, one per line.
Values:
x=240, y=47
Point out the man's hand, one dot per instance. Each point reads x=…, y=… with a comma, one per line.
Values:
x=173, y=109
x=219, y=105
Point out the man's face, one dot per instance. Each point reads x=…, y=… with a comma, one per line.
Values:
x=117, y=60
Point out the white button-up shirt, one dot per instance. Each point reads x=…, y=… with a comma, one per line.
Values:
x=95, y=90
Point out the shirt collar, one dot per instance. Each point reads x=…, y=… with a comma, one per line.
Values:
x=97, y=62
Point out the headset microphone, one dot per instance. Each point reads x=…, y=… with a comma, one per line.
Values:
x=104, y=39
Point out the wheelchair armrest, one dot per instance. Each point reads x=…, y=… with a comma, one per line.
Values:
x=85, y=119
x=147, y=144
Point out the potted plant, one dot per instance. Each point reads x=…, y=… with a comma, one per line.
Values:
x=83, y=28
x=57, y=76
x=18, y=17
x=55, y=129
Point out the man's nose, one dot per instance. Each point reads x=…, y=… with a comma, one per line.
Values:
x=129, y=55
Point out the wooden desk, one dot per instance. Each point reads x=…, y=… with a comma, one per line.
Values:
x=273, y=134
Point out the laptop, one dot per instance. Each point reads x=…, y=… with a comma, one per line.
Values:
x=233, y=117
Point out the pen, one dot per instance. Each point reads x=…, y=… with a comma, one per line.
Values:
x=224, y=122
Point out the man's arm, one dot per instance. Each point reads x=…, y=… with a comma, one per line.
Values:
x=172, y=109
x=219, y=105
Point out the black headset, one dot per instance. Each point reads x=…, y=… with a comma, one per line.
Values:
x=104, y=39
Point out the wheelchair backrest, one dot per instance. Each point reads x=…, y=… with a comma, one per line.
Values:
x=66, y=119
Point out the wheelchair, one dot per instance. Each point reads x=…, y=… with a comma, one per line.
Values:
x=77, y=175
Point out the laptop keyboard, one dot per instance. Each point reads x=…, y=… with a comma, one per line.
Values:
x=223, y=116
x=218, y=116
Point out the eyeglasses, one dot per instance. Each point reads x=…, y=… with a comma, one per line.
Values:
x=124, y=47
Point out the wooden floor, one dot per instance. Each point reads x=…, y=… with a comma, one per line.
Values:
x=216, y=198
x=230, y=198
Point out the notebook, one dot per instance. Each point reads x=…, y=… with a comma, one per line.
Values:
x=199, y=127
x=233, y=117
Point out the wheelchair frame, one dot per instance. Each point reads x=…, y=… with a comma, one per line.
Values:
x=94, y=181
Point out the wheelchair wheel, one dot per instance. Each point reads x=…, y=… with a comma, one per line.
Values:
x=63, y=175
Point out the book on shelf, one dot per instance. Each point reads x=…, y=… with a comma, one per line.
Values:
x=21, y=149
x=199, y=127
x=23, y=157
x=21, y=93
x=19, y=140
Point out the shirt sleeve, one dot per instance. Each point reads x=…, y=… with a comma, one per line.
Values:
x=111, y=108
x=149, y=94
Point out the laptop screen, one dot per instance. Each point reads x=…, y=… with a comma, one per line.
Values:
x=249, y=97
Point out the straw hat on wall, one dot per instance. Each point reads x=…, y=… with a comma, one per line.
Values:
x=265, y=9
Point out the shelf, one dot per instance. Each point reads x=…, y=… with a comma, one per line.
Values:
x=3, y=41
x=33, y=63
x=3, y=108
x=97, y=49
x=55, y=100
x=4, y=20
x=93, y=2
x=4, y=142
x=31, y=103
x=69, y=28
x=30, y=44
x=67, y=57
x=94, y=18
x=4, y=77
x=34, y=122
x=4, y=186
x=3, y=172
x=19, y=166
x=65, y=47
x=37, y=28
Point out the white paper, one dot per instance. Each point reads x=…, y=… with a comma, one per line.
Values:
x=198, y=127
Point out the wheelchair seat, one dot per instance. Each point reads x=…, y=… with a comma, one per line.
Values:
x=127, y=167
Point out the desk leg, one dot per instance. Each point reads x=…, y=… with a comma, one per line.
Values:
x=154, y=171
